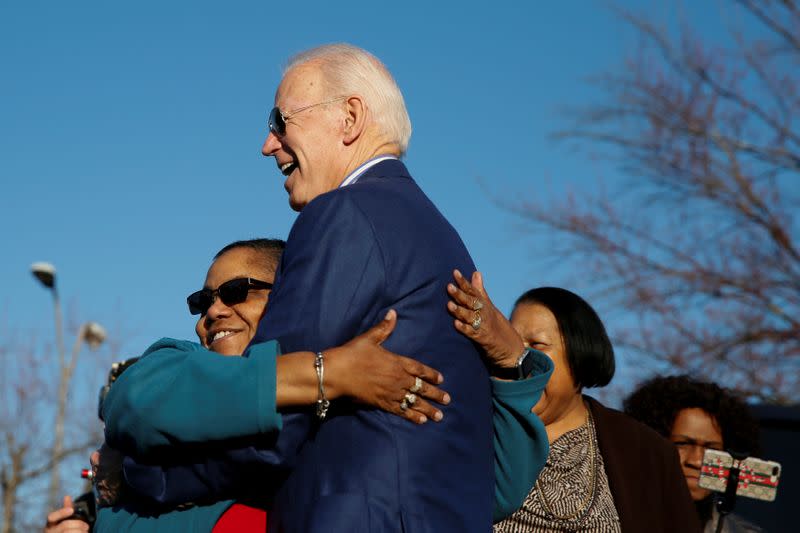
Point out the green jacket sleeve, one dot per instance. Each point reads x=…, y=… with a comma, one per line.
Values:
x=196, y=519
x=180, y=393
x=520, y=440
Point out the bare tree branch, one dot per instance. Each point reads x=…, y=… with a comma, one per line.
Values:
x=701, y=246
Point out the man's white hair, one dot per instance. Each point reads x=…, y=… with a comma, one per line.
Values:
x=349, y=70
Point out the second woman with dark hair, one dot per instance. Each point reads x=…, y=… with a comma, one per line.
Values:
x=605, y=471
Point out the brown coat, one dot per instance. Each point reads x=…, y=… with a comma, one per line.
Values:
x=644, y=475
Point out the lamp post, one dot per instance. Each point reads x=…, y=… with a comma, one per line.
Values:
x=93, y=334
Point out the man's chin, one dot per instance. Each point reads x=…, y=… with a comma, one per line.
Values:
x=296, y=204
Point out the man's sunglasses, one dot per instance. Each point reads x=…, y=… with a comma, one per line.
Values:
x=231, y=292
x=277, y=119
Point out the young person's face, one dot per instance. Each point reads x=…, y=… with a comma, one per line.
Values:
x=694, y=431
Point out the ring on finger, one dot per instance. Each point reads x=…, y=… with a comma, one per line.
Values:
x=410, y=398
x=477, y=321
x=477, y=305
x=417, y=386
x=404, y=404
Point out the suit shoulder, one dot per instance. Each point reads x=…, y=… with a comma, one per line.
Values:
x=326, y=211
x=373, y=200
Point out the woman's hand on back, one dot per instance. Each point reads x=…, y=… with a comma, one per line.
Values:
x=368, y=373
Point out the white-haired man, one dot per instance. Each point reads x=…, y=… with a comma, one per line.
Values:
x=366, y=240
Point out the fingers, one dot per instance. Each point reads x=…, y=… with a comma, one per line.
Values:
x=413, y=415
x=68, y=526
x=466, y=329
x=472, y=289
x=477, y=283
x=57, y=516
x=428, y=377
x=433, y=392
x=464, y=317
x=420, y=410
x=414, y=368
x=381, y=331
x=467, y=302
x=464, y=292
x=462, y=281
x=424, y=411
x=459, y=311
x=57, y=520
x=459, y=299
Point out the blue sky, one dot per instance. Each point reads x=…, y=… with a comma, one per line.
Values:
x=131, y=137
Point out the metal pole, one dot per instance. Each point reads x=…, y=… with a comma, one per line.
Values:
x=63, y=383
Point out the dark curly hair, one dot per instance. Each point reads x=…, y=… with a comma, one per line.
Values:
x=657, y=402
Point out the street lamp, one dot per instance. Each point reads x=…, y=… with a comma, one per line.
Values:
x=92, y=334
x=46, y=273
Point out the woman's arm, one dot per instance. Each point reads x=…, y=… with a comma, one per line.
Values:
x=363, y=371
x=520, y=439
x=179, y=393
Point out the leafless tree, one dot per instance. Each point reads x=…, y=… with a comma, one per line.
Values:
x=32, y=400
x=700, y=245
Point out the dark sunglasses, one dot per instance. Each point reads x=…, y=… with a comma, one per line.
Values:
x=277, y=120
x=231, y=292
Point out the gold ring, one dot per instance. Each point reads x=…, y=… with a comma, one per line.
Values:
x=477, y=321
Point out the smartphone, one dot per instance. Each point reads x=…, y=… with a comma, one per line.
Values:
x=757, y=478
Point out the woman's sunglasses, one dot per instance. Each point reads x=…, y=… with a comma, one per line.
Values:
x=231, y=292
x=277, y=120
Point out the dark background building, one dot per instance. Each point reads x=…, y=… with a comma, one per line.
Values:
x=780, y=441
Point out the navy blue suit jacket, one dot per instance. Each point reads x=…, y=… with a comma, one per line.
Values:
x=353, y=254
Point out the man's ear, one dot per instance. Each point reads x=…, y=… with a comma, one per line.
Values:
x=355, y=119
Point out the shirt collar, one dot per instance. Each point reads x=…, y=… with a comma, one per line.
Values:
x=353, y=176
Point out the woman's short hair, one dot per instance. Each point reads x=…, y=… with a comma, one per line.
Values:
x=658, y=401
x=588, y=349
x=269, y=251
x=348, y=70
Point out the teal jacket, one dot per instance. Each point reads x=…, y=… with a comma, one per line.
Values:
x=173, y=397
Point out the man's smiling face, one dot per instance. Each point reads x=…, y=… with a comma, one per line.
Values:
x=310, y=153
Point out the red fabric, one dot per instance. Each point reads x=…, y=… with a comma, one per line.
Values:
x=241, y=518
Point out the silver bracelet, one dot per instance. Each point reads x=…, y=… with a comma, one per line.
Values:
x=322, y=401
